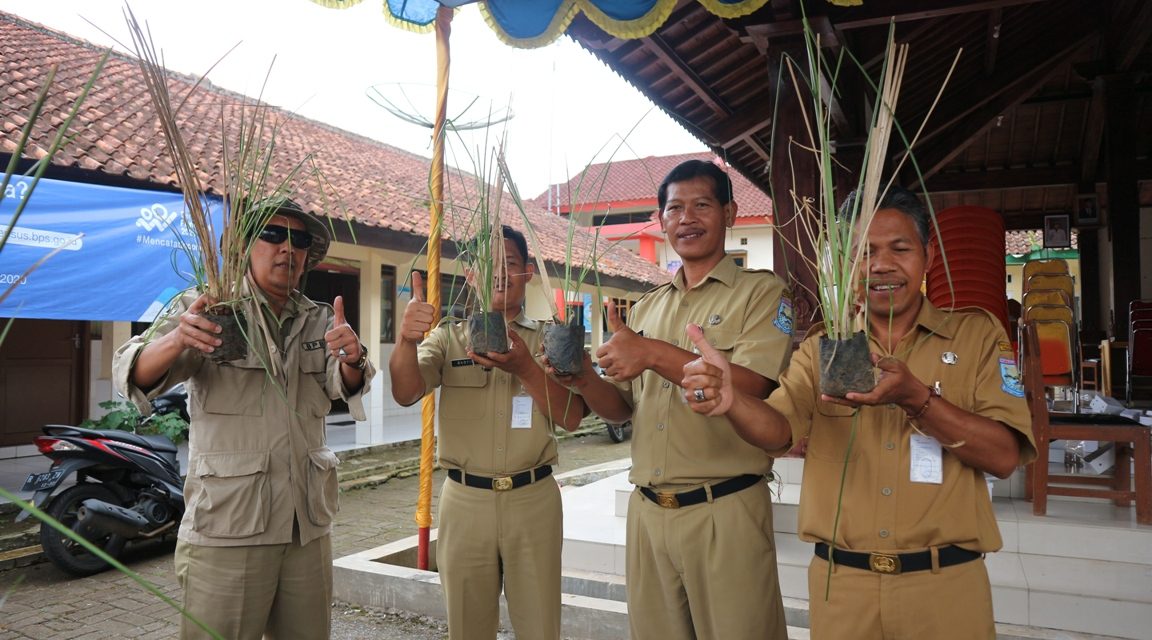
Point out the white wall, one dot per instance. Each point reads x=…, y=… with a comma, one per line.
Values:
x=759, y=246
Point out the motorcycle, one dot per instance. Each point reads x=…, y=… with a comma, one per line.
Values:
x=128, y=488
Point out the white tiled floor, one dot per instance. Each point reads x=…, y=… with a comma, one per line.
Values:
x=1085, y=567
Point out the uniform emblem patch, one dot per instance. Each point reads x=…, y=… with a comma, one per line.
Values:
x=1004, y=345
x=948, y=357
x=714, y=319
x=1010, y=378
x=783, y=320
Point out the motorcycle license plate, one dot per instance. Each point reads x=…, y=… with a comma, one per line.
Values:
x=43, y=481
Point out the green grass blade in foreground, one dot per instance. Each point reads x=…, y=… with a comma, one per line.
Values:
x=98, y=552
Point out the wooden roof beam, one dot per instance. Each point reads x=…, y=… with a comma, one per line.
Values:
x=1133, y=38
x=961, y=132
x=992, y=44
x=881, y=12
x=663, y=51
x=1093, y=135
x=954, y=109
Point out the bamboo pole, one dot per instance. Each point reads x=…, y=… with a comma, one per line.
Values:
x=436, y=210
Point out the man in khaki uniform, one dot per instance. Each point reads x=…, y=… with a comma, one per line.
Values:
x=500, y=514
x=254, y=554
x=915, y=518
x=701, y=558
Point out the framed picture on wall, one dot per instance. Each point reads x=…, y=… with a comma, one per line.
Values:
x=1087, y=210
x=1057, y=232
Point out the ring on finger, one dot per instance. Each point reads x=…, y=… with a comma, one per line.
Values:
x=342, y=353
x=699, y=395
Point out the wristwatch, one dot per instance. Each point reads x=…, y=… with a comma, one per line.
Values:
x=362, y=363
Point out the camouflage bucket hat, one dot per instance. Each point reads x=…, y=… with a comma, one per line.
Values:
x=282, y=206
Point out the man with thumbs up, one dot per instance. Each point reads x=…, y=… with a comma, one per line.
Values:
x=254, y=554
x=500, y=513
x=701, y=559
x=894, y=494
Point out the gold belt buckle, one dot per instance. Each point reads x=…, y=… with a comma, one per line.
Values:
x=884, y=563
x=501, y=484
x=667, y=500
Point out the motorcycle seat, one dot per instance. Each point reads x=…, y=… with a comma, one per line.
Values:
x=156, y=443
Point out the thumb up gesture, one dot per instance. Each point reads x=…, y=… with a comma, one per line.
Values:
x=418, y=315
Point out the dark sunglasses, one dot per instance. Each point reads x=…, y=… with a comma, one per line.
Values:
x=275, y=234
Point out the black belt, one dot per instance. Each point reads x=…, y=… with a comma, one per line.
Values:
x=503, y=483
x=696, y=496
x=898, y=562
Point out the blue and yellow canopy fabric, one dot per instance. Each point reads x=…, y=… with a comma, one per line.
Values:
x=535, y=23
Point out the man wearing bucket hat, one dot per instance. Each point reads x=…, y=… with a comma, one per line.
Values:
x=254, y=554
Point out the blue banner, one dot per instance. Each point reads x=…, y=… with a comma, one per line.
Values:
x=122, y=258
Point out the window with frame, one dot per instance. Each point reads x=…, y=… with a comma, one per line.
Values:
x=387, y=304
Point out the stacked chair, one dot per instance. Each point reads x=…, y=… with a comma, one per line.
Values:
x=1139, y=348
x=1131, y=478
x=973, y=239
x=1047, y=307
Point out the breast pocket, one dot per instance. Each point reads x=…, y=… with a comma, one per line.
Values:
x=313, y=399
x=463, y=390
x=831, y=433
x=234, y=389
x=722, y=340
x=234, y=498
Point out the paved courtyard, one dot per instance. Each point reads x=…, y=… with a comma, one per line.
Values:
x=41, y=603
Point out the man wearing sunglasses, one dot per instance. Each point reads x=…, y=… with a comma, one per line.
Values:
x=254, y=554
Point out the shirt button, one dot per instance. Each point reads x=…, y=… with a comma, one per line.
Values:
x=889, y=445
x=886, y=491
x=883, y=533
x=660, y=427
x=499, y=448
x=656, y=473
x=666, y=384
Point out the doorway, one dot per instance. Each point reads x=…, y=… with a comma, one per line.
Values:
x=43, y=366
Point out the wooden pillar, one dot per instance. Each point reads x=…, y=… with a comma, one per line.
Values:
x=1123, y=196
x=793, y=169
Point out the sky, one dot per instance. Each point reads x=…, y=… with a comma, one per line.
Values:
x=569, y=108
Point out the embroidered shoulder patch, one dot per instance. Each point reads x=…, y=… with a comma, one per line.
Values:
x=1010, y=378
x=1004, y=345
x=783, y=320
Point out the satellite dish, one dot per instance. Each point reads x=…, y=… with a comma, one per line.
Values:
x=416, y=104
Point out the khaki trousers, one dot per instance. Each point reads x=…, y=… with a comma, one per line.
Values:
x=705, y=572
x=491, y=538
x=275, y=591
x=955, y=603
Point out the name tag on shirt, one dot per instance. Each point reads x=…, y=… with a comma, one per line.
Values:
x=927, y=463
x=522, y=412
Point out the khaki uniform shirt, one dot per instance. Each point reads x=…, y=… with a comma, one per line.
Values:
x=882, y=509
x=747, y=316
x=257, y=453
x=476, y=433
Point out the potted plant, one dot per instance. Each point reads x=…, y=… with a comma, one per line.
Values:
x=833, y=233
x=215, y=237
x=564, y=334
x=473, y=210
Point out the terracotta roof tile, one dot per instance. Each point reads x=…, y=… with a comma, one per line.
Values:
x=379, y=185
x=632, y=180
